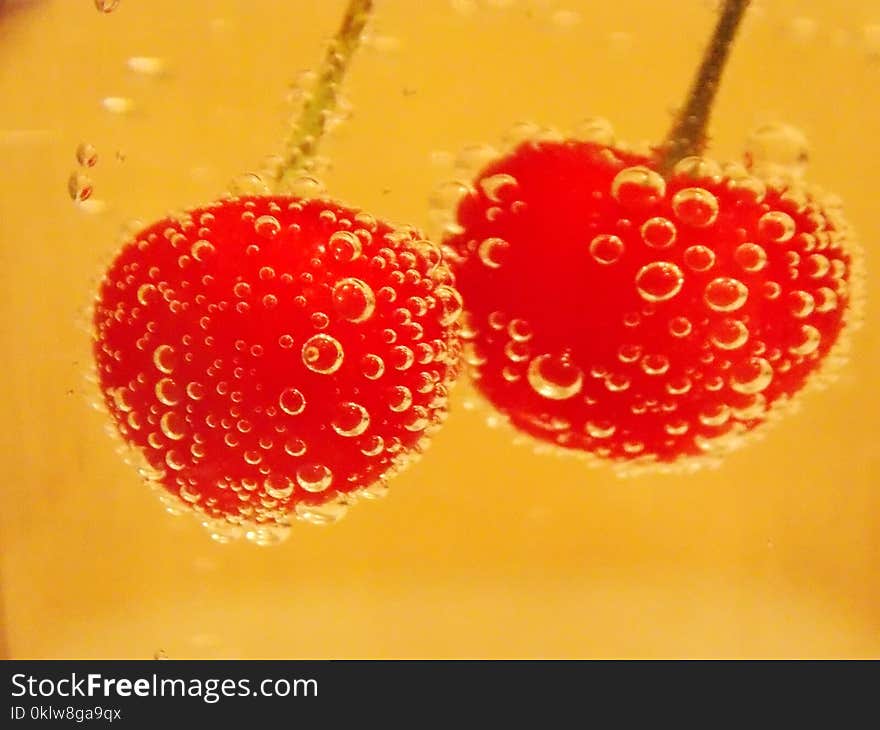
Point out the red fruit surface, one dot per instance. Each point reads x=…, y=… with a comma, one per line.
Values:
x=618, y=313
x=272, y=355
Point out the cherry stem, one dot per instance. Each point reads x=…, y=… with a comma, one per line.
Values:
x=688, y=134
x=306, y=134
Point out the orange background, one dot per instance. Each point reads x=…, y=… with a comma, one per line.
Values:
x=483, y=549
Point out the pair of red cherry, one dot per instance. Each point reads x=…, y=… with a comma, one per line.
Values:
x=271, y=356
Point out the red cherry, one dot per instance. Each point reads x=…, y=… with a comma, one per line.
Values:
x=273, y=355
x=620, y=313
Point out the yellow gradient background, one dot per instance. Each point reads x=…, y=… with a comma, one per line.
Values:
x=483, y=549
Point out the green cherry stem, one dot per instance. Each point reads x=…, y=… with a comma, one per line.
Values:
x=305, y=135
x=688, y=134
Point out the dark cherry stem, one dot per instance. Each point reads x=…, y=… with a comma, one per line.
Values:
x=688, y=134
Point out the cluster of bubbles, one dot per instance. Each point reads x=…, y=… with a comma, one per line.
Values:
x=315, y=377
x=79, y=183
x=469, y=162
x=753, y=313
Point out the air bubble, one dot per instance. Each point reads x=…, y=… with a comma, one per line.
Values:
x=746, y=187
x=725, y=294
x=372, y=445
x=678, y=427
x=498, y=186
x=655, y=364
x=800, y=303
x=201, y=250
x=492, y=252
x=303, y=186
x=697, y=168
x=638, y=185
x=267, y=226
x=86, y=154
x=165, y=359
x=595, y=129
x=401, y=358
x=606, y=249
x=771, y=290
x=695, y=207
x=106, y=6
x=450, y=304
x=448, y=195
x=322, y=514
x=79, y=186
x=122, y=399
x=146, y=65
x=617, y=382
x=600, y=429
x=629, y=353
x=819, y=266
x=729, y=334
x=774, y=149
x=175, y=459
x=659, y=281
x=322, y=354
x=497, y=320
x=680, y=327
x=699, y=258
x=751, y=257
x=167, y=392
x=344, y=246
x=751, y=376
x=810, y=340
x=827, y=299
x=519, y=330
x=417, y=419
x=248, y=183
x=292, y=401
x=658, y=232
x=172, y=425
x=351, y=419
x=679, y=385
x=715, y=415
x=147, y=294
x=295, y=447
x=278, y=486
x=314, y=477
x=117, y=104
x=399, y=398
x=353, y=299
x=319, y=320
x=754, y=409
x=555, y=377
x=776, y=226
x=372, y=367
